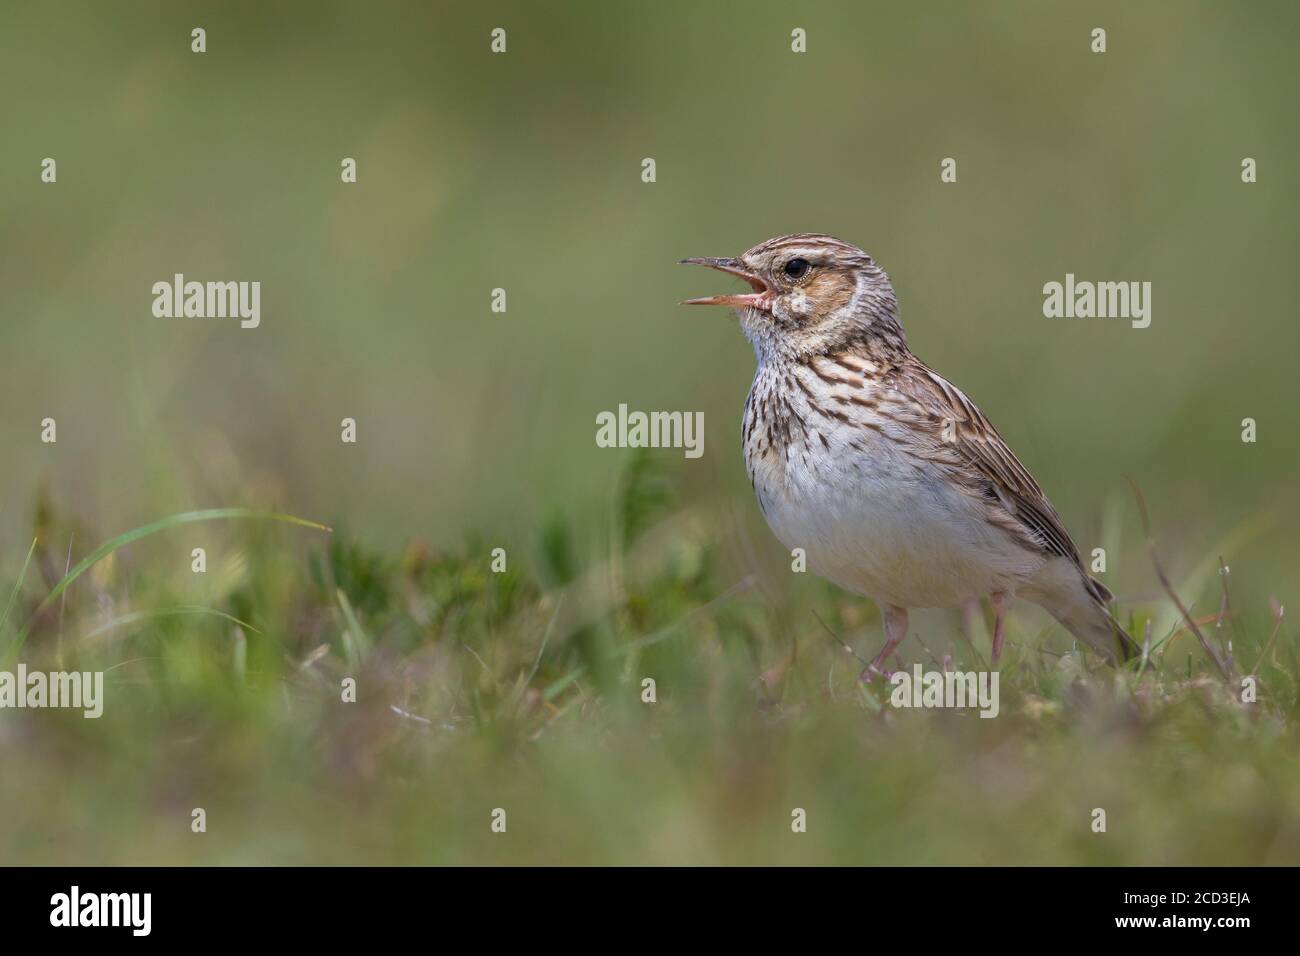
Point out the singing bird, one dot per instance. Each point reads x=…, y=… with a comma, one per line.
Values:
x=889, y=478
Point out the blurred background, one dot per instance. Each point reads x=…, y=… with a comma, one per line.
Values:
x=523, y=171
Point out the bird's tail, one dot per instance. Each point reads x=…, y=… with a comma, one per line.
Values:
x=1082, y=605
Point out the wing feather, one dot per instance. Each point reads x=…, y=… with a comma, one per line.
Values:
x=966, y=434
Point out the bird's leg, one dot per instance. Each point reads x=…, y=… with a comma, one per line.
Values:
x=895, y=626
x=1001, y=601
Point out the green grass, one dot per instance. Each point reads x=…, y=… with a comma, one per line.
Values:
x=121, y=541
x=522, y=691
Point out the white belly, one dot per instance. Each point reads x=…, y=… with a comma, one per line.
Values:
x=888, y=527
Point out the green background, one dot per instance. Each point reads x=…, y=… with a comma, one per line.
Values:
x=522, y=171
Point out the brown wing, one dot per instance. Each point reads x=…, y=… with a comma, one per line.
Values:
x=966, y=437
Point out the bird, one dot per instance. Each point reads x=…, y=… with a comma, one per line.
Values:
x=891, y=480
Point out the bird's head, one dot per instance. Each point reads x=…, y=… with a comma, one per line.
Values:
x=811, y=294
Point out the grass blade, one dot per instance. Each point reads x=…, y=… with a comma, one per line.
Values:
x=1206, y=646
x=144, y=531
x=356, y=642
x=136, y=617
x=17, y=586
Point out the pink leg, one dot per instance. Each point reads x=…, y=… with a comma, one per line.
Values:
x=1001, y=601
x=895, y=621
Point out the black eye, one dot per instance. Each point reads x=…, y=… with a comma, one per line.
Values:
x=797, y=268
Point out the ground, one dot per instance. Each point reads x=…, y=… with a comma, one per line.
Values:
x=524, y=691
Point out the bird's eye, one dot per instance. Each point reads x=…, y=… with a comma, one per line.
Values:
x=797, y=268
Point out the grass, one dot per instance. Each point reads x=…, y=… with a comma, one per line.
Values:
x=523, y=690
x=121, y=541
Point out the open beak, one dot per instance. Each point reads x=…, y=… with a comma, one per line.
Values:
x=756, y=300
